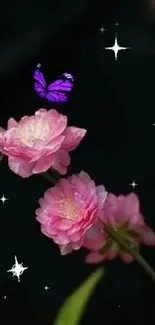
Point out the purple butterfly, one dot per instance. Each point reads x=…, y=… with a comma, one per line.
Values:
x=57, y=91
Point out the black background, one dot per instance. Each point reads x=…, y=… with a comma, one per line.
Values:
x=115, y=102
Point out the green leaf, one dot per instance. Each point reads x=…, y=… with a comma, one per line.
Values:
x=73, y=308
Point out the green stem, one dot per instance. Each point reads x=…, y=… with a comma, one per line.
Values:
x=147, y=268
x=50, y=178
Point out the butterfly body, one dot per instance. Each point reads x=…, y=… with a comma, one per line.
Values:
x=57, y=91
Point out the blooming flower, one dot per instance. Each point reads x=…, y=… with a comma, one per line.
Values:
x=69, y=209
x=38, y=142
x=122, y=215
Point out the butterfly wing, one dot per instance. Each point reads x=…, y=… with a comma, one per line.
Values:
x=56, y=91
x=56, y=97
x=40, y=83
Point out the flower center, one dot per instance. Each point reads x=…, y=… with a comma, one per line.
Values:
x=69, y=209
x=34, y=130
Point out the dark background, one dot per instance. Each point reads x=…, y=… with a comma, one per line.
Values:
x=115, y=102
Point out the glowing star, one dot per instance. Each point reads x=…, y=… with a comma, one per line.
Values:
x=5, y=297
x=116, y=48
x=3, y=199
x=39, y=65
x=116, y=24
x=46, y=288
x=133, y=184
x=17, y=269
x=153, y=124
x=102, y=29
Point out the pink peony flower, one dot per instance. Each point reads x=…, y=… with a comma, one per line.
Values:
x=69, y=209
x=122, y=214
x=39, y=142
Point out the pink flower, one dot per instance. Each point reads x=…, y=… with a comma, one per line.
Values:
x=122, y=214
x=39, y=142
x=69, y=209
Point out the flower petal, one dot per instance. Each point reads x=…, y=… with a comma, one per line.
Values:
x=94, y=244
x=78, y=244
x=61, y=162
x=95, y=237
x=12, y=123
x=147, y=236
x=129, y=206
x=73, y=137
x=43, y=164
x=20, y=166
x=65, y=249
x=94, y=258
x=101, y=194
x=112, y=252
x=126, y=257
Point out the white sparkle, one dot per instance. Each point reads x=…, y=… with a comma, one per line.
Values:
x=46, y=287
x=5, y=297
x=133, y=184
x=118, y=306
x=39, y=65
x=116, y=24
x=153, y=124
x=17, y=269
x=116, y=48
x=102, y=29
x=3, y=199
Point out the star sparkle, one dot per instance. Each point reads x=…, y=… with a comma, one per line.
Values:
x=102, y=29
x=3, y=199
x=46, y=287
x=17, y=269
x=133, y=184
x=116, y=48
